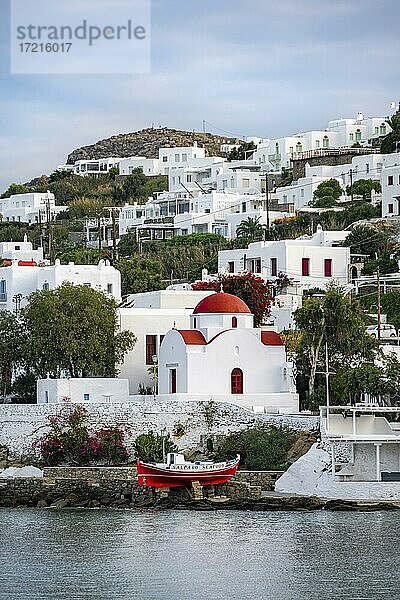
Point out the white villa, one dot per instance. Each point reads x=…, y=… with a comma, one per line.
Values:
x=309, y=261
x=20, y=278
x=222, y=357
x=301, y=192
x=277, y=154
x=29, y=208
x=85, y=167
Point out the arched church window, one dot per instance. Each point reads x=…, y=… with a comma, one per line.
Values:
x=234, y=322
x=237, y=381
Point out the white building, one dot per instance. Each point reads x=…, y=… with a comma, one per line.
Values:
x=21, y=278
x=91, y=166
x=149, y=316
x=149, y=166
x=309, y=261
x=21, y=251
x=301, y=192
x=171, y=214
x=29, y=208
x=172, y=157
x=223, y=357
x=277, y=154
x=82, y=390
x=374, y=442
x=391, y=185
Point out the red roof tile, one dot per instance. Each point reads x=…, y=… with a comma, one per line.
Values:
x=221, y=303
x=191, y=337
x=271, y=338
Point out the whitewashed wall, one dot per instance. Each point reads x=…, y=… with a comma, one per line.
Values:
x=188, y=422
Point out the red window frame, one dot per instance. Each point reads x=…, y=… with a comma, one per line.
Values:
x=151, y=348
x=237, y=381
x=305, y=267
x=328, y=267
x=234, y=322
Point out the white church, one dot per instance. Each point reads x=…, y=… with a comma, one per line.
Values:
x=223, y=357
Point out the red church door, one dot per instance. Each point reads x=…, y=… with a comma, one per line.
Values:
x=173, y=381
x=237, y=381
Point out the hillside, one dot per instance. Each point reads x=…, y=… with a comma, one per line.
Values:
x=147, y=142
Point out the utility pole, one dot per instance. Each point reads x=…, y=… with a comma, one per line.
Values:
x=40, y=229
x=327, y=374
x=204, y=125
x=50, y=232
x=351, y=184
x=100, y=235
x=114, y=240
x=378, y=283
x=267, y=198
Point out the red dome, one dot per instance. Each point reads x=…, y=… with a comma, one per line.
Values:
x=221, y=303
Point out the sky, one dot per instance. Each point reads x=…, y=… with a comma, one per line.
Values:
x=248, y=67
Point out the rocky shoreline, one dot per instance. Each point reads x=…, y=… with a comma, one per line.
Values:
x=118, y=488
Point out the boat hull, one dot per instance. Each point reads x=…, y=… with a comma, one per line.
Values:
x=153, y=476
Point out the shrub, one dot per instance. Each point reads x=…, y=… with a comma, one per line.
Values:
x=70, y=442
x=260, y=449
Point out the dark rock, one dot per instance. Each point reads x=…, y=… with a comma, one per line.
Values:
x=147, y=142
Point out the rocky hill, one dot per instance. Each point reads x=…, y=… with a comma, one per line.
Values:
x=147, y=142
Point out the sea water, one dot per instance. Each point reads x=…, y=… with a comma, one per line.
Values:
x=183, y=555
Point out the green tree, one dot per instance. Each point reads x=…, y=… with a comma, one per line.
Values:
x=86, y=207
x=390, y=305
x=11, y=334
x=127, y=245
x=140, y=275
x=12, y=231
x=331, y=188
x=353, y=382
x=364, y=239
x=243, y=152
x=337, y=321
x=324, y=202
x=132, y=187
x=80, y=256
x=16, y=188
x=363, y=188
x=253, y=290
x=251, y=229
x=73, y=329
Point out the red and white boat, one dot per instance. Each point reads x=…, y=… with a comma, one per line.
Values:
x=177, y=472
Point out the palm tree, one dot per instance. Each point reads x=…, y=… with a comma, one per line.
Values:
x=251, y=229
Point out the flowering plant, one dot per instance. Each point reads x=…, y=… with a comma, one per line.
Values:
x=69, y=441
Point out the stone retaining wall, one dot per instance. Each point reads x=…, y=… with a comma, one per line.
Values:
x=189, y=423
x=264, y=479
x=103, y=486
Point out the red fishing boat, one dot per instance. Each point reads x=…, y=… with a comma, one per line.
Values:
x=177, y=472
